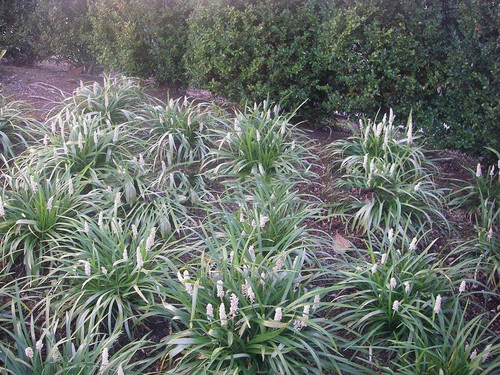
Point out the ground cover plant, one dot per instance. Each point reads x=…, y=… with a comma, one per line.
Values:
x=145, y=237
x=393, y=173
x=15, y=126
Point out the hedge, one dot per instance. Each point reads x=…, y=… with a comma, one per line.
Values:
x=18, y=33
x=436, y=58
x=144, y=38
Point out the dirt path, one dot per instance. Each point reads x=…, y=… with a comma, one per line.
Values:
x=45, y=85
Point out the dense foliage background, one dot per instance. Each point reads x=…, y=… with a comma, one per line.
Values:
x=436, y=58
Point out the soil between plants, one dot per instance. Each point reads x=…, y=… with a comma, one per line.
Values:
x=43, y=86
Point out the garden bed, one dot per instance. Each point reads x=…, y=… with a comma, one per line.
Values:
x=156, y=235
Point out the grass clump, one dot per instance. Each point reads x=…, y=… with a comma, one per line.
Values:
x=15, y=127
x=260, y=141
x=392, y=175
x=36, y=212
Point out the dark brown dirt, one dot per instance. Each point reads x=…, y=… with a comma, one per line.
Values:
x=45, y=85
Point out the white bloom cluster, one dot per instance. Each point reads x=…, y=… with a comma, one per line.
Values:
x=29, y=352
x=210, y=311
x=316, y=301
x=383, y=259
x=185, y=280
x=479, y=172
x=278, y=314
x=299, y=324
x=100, y=220
x=490, y=234
x=104, y=360
x=151, y=239
x=279, y=263
x=87, y=267
x=407, y=287
x=34, y=185
x=117, y=201
x=220, y=289
x=233, y=308
x=222, y=314
x=463, y=287
x=49, y=203
x=413, y=244
x=437, y=304
x=486, y=352
x=247, y=291
x=71, y=189
x=140, y=260
x=392, y=283
x=251, y=252
x=390, y=235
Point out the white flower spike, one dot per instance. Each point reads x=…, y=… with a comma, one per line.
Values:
x=29, y=352
x=463, y=287
x=210, y=311
x=278, y=315
x=437, y=304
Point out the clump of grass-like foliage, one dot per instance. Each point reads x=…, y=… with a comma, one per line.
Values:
x=392, y=175
x=16, y=128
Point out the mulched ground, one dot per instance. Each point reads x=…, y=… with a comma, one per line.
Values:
x=43, y=86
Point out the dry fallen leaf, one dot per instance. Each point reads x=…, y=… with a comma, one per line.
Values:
x=340, y=243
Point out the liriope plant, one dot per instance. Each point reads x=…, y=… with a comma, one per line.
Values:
x=34, y=212
x=112, y=272
x=393, y=290
x=392, y=177
x=115, y=99
x=179, y=130
x=260, y=141
x=16, y=128
x=234, y=313
x=39, y=341
x=461, y=345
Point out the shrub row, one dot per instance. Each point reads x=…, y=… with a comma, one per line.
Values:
x=436, y=57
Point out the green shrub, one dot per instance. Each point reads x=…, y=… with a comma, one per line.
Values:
x=379, y=54
x=438, y=59
x=468, y=80
x=145, y=38
x=18, y=30
x=65, y=30
x=255, y=50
